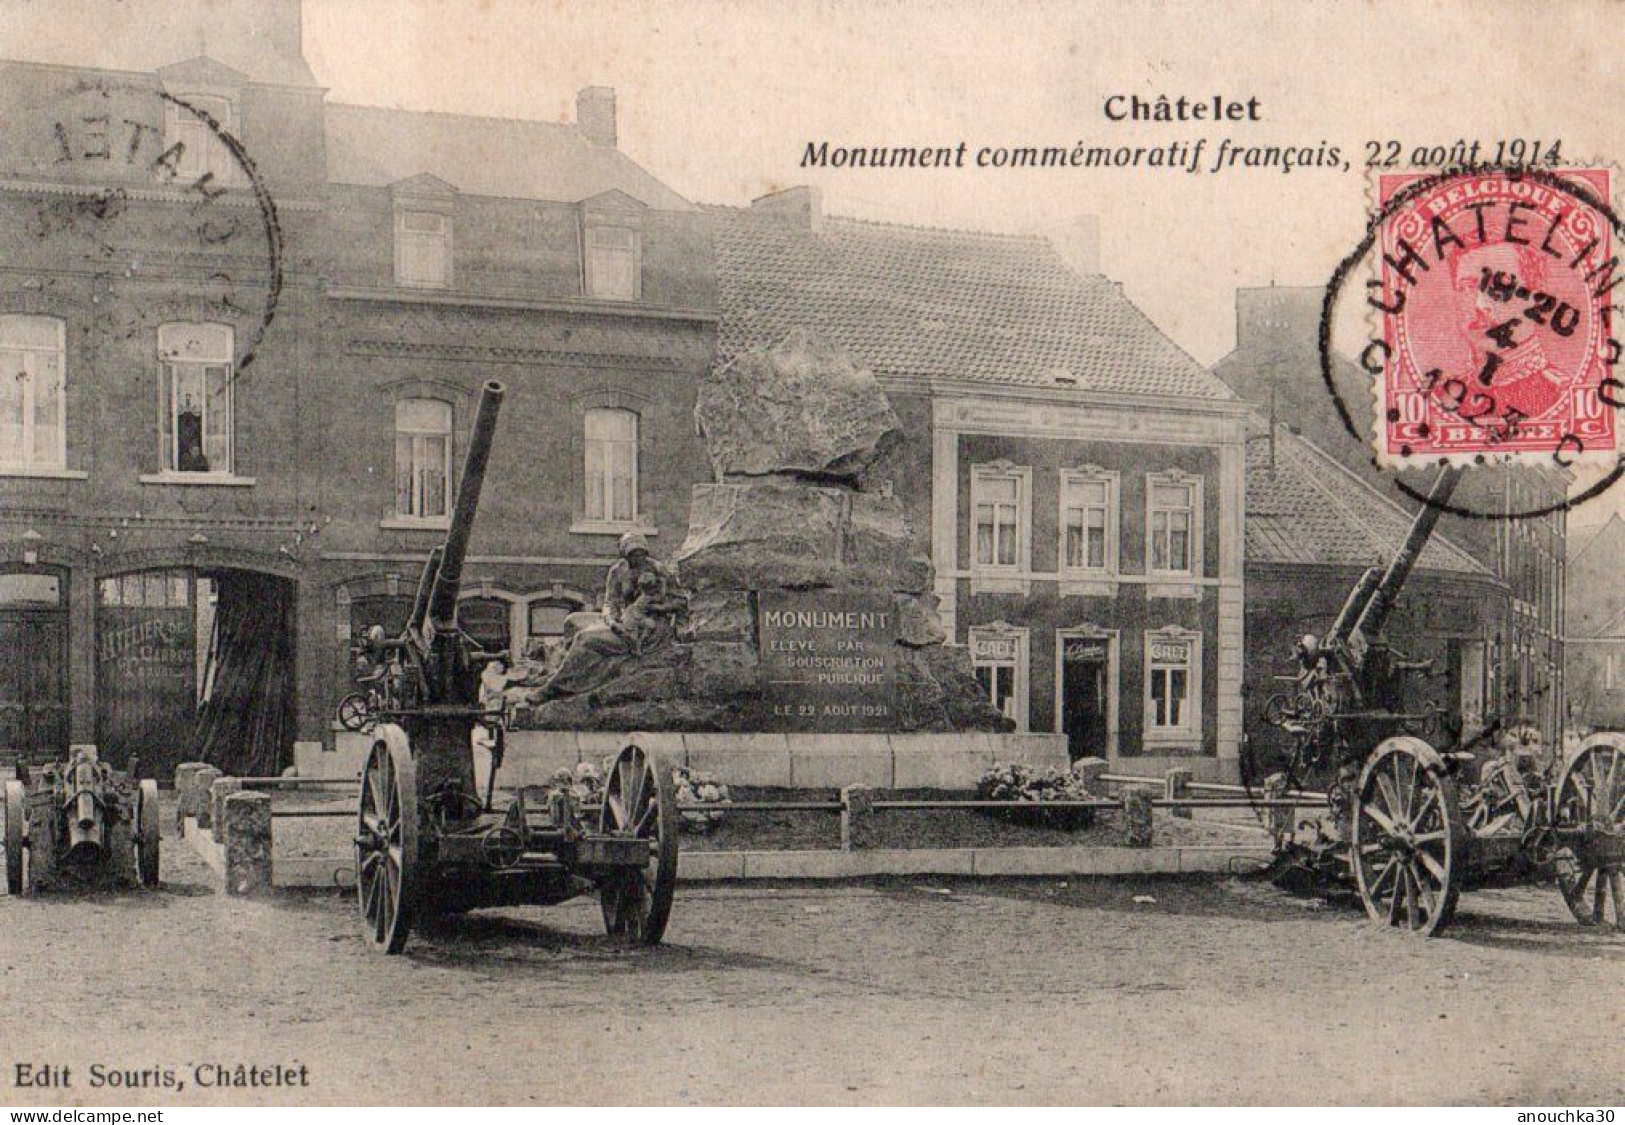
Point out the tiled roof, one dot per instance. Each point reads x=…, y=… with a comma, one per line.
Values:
x=1310, y=509
x=940, y=303
x=492, y=156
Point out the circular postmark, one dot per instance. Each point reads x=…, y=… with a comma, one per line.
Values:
x=1483, y=335
x=170, y=169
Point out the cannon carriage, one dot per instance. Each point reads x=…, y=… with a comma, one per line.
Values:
x=428, y=841
x=1418, y=818
x=80, y=824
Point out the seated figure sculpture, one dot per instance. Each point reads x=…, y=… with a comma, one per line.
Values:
x=642, y=603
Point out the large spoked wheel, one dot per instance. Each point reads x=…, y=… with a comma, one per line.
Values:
x=146, y=833
x=1590, y=809
x=640, y=799
x=386, y=843
x=1409, y=840
x=16, y=820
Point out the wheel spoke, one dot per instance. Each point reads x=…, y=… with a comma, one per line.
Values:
x=1599, y=898
x=1390, y=798
x=1619, y=907
x=1382, y=820
x=634, y=796
x=1410, y=897
x=1390, y=868
x=650, y=812
x=1435, y=868
x=1405, y=781
x=1429, y=799
x=617, y=811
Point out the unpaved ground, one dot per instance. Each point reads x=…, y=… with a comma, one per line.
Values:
x=1000, y=991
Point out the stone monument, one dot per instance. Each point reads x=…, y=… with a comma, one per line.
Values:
x=809, y=606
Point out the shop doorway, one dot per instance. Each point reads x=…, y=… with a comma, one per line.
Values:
x=195, y=665
x=1086, y=695
x=33, y=666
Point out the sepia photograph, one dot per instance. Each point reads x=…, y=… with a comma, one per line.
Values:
x=703, y=553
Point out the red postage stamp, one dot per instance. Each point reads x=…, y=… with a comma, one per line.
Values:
x=1494, y=292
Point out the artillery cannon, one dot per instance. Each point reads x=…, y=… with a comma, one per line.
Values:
x=80, y=823
x=1415, y=824
x=428, y=842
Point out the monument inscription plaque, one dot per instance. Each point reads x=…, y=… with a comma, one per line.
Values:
x=827, y=660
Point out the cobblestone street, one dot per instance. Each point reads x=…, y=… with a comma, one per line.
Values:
x=913, y=990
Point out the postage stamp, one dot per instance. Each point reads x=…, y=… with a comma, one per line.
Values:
x=1493, y=288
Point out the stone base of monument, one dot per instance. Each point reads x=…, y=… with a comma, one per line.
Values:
x=788, y=761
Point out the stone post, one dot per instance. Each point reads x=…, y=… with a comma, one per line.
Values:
x=246, y=841
x=857, y=818
x=183, y=781
x=1178, y=783
x=218, y=792
x=198, y=795
x=1137, y=816
x=1088, y=771
x=1281, y=819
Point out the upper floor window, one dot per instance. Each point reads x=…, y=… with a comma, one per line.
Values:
x=998, y=509
x=422, y=248
x=32, y=422
x=612, y=465
x=1172, y=514
x=1088, y=520
x=614, y=263
x=422, y=458
x=193, y=145
x=194, y=431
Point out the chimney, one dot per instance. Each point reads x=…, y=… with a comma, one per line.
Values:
x=1078, y=244
x=595, y=114
x=803, y=206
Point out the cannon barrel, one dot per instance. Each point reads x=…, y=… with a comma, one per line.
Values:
x=1386, y=593
x=448, y=576
x=82, y=809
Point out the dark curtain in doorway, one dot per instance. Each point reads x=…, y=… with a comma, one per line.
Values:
x=245, y=722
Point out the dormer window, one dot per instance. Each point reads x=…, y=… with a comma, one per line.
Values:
x=193, y=124
x=422, y=248
x=614, y=262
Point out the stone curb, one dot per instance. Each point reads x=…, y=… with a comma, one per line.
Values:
x=707, y=867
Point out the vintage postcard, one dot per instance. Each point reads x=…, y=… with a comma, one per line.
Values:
x=810, y=552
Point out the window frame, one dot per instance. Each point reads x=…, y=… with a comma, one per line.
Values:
x=590, y=279
x=1189, y=732
x=1096, y=580
x=1020, y=665
x=31, y=462
x=212, y=157
x=996, y=577
x=404, y=211
x=1165, y=582
x=169, y=454
x=421, y=519
x=606, y=518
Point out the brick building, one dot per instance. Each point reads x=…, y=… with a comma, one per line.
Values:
x=1594, y=647
x=1276, y=367
x=1076, y=479
x=243, y=328
x=1313, y=528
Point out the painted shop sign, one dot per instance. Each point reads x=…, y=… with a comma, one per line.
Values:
x=827, y=660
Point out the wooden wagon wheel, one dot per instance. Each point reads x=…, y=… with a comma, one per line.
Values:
x=386, y=843
x=640, y=799
x=1409, y=840
x=146, y=833
x=1591, y=799
x=16, y=821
